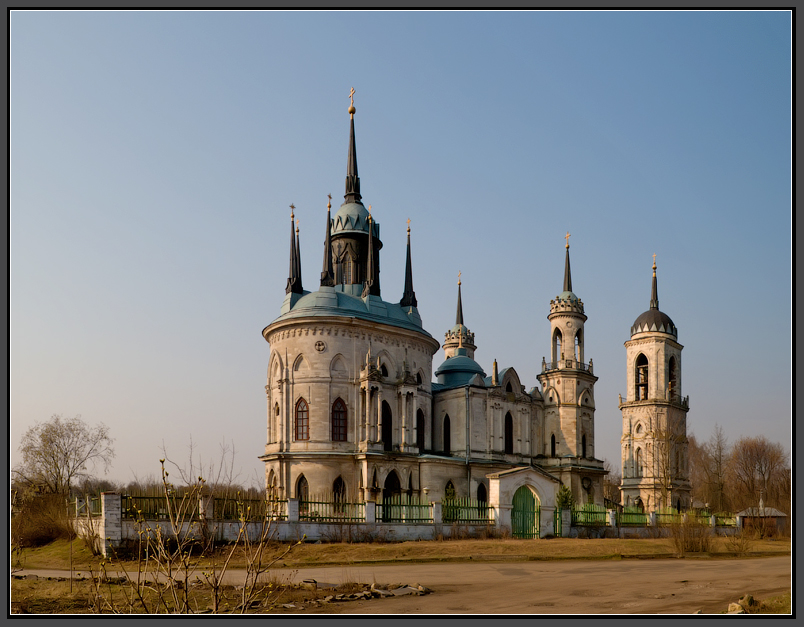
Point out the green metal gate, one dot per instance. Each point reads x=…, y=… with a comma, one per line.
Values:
x=525, y=514
x=557, y=522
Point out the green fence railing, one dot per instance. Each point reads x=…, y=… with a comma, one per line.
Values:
x=403, y=508
x=589, y=515
x=330, y=508
x=465, y=510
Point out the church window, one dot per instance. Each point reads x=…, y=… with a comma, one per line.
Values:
x=552, y=445
x=578, y=347
x=418, y=378
x=349, y=270
x=482, y=499
x=420, y=429
x=641, y=382
x=672, y=378
x=583, y=446
x=557, y=353
x=384, y=370
x=447, y=442
x=508, y=387
x=302, y=493
x=509, y=434
x=449, y=490
x=638, y=463
x=387, y=427
x=339, y=494
x=302, y=420
x=339, y=421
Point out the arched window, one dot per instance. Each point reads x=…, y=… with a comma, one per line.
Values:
x=552, y=445
x=447, y=440
x=420, y=429
x=302, y=420
x=641, y=378
x=508, y=387
x=481, y=493
x=338, y=421
x=578, y=346
x=419, y=378
x=349, y=270
x=583, y=445
x=638, y=463
x=383, y=370
x=387, y=427
x=339, y=494
x=557, y=356
x=302, y=493
x=449, y=490
x=509, y=434
x=672, y=379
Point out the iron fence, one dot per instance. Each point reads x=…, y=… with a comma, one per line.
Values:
x=632, y=518
x=589, y=515
x=331, y=508
x=403, y=508
x=464, y=510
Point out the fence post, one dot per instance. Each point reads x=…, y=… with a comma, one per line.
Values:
x=566, y=522
x=437, y=512
x=652, y=519
x=111, y=529
x=293, y=510
x=371, y=512
x=713, y=520
x=612, y=518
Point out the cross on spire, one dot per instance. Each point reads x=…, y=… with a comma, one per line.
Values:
x=566, y=237
x=352, y=97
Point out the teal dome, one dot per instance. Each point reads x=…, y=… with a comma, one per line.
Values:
x=352, y=216
x=458, y=370
x=570, y=296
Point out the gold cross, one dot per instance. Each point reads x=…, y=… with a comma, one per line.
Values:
x=408, y=225
x=459, y=277
x=351, y=97
x=566, y=237
x=292, y=207
x=329, y=198
x=369, y=213
x=654, y=260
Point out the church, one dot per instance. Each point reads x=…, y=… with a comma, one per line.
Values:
x=357, y=408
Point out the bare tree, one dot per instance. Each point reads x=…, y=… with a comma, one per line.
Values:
x=62, y=450
x=719, y=456
x=757, y=467
x=611, y=483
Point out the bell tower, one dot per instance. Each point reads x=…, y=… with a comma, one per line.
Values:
x=654, y=439
x=569, y=398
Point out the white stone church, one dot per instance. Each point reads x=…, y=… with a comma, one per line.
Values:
x=353, y=408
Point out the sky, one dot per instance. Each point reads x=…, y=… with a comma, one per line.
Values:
x=154, y=156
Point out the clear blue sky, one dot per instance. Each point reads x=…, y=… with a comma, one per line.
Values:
x=154, y=156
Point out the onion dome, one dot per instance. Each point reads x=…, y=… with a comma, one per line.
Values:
x=653, y=320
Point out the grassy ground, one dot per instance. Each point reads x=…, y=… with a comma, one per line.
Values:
x=57, y=554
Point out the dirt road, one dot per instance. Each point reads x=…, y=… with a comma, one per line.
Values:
x=631, y=586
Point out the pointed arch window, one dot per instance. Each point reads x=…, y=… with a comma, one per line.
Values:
x=509, y=434
x=638, y=462
x=302, y=430
x=583, y=445
x=387, y=427
x=447, y=436
x=384, y=370
x=302, y=493
x=339, y=423
x=557, y=353
x=553, y=445
x=672, y=379
x=420, y=429
x=339, y=494
x=579, y=346
x=641, y=378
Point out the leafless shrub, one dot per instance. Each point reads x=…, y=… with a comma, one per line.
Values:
x=739, y=543
x=691, y=536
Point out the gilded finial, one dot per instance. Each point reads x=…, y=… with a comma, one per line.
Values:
x=459, y=277
x=329, y=203
x=352, y=103
x=297, y=225
x=566, y=237
x=369, y=210
x=654, y=264
x=292, y=207
x=408, y=226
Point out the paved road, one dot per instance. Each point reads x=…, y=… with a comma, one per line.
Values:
x=629, y=586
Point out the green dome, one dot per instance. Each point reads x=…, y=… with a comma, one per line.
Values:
x=570, y=296
x=352, y=216
x=458, y=370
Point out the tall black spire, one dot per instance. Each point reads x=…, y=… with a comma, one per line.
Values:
x=298, y=259
x=654, y=292
x=352, y=180
x=294, y=279
x=567, y=275
x=327, y=275
x=459, y=313
x=408, y=296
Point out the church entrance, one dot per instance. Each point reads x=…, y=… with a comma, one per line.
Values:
x=391, y=498
x=387, y=427
x=525, y=514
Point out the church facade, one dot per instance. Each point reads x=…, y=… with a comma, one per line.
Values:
x=357, y=407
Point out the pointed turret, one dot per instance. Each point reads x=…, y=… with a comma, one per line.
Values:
x=567, y=274
x=294, y=279
x=370, y=287
x=408, y=296
x=654, y=292
x=459, y=312
x=298, y=259
x=352, y=179
x=327, y=274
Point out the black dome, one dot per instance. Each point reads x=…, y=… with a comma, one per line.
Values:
x=654, y=320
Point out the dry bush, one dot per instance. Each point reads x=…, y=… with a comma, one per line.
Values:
x=691, y=536
x=739, y=543
x=42, y=518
